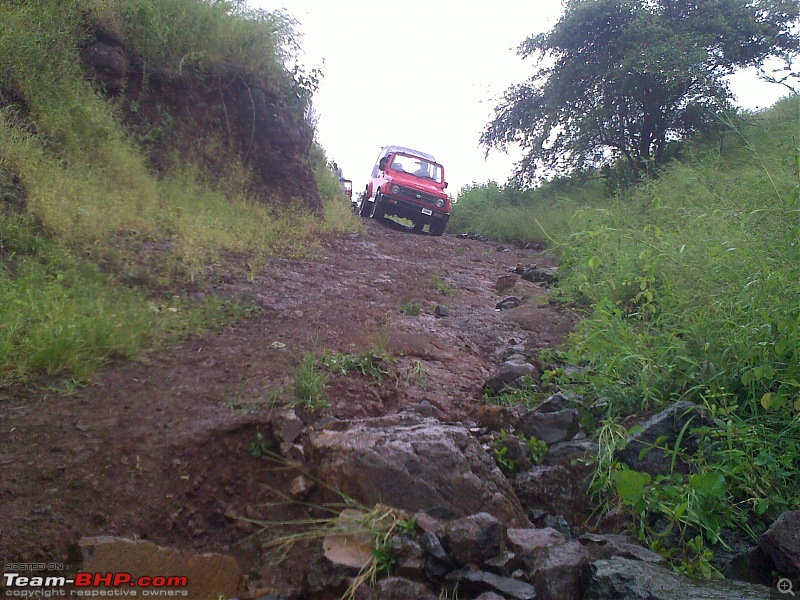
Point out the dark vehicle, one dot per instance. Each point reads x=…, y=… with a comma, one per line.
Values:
x=409, y=184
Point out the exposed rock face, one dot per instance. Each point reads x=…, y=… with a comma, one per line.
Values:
x=208, y=575
x=782, y=543
x=474, y=538
x=107, y=64
x=269, y=137
x=414, y=463
x=624, y=579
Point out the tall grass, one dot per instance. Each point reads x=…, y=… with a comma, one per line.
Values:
x=90, y=194
x=689, y=289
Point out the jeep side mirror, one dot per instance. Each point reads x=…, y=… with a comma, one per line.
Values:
x=445, y=184
x=382, y=164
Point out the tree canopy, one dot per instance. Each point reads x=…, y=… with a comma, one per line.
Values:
x=622, y=78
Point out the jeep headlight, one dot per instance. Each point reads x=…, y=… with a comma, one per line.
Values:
x=440, y=203
x=395, y=189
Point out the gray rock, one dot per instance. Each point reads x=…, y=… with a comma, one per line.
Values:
x=625, y=579
x=413, y=463
x=557, y=574
x=489, y=596
x=476, y=582
x=565, y=453
x=552, y=489
x=551, y=427
x=437, y=562
x=395, y=588
x=505, y=282
x=530, y=542
x=781, y=542
x=286, y=426
x=508, y=375
x=610, y=545
x=475, y=538
x=441, y=311
x=408, y=558
x=536, y=274
x=667, y=424
x=508, y=302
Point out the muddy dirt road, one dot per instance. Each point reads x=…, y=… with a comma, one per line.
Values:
x=156, y=448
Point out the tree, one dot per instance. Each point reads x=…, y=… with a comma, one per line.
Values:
x=620, y=79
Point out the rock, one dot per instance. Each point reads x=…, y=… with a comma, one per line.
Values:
x=508, y=375
x=530, y=542
x=514, y=353
x=668, y=425
x=557, y=574
x=408, y=557
x=505, y=283
x=536, y=274
x=437, y=562
x=551, y=427
x=552, y=489
x=286, y=426
x=476, y=582
x=781, y=542
x=441, y=311
x=752, y=566
x=208, y=575
x=625, y=579
x=301, y=487
x=565, y=453
x=507, y=303
x=610, y=545
x=413, y=463
x=352, y=547
x=542, y=519
x=475, y=538
x=395, y=588
x=489, y=596
x=324, y=576
x=514, y=451
x=496, y=417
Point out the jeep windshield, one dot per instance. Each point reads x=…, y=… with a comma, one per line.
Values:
x=419, y=167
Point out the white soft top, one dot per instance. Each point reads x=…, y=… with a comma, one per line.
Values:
x=387, y=150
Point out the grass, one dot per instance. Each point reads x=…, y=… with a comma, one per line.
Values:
x=86, y=195
x=688, y=289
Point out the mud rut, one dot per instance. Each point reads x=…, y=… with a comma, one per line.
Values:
x=156, y=448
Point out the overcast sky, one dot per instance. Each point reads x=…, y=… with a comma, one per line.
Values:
x=463, y=57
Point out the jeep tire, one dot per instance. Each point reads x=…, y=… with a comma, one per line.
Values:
x=437, y=226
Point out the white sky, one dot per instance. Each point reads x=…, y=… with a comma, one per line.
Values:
x=370, y=97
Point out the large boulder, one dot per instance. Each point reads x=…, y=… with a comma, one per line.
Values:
x=413, y=463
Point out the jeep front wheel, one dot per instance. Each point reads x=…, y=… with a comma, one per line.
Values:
x=377, y=209
x=437, y=226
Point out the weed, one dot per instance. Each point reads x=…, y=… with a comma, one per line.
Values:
x=507, y=464
x=536, y=448
x=412, y=308
x=309, y=383
x=442, y=286
x=415, y=374
x=367, y=363
x=258, y=447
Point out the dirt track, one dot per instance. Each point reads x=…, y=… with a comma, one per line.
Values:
x=157, y=448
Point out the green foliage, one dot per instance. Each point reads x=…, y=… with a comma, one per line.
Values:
x=309, y=383
x=688, y=287
x=507, y=213
x=622, y=79
x=370, y=363
x=258, y=447
x=412, y=308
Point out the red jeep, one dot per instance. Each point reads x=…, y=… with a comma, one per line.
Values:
x=409, y=184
